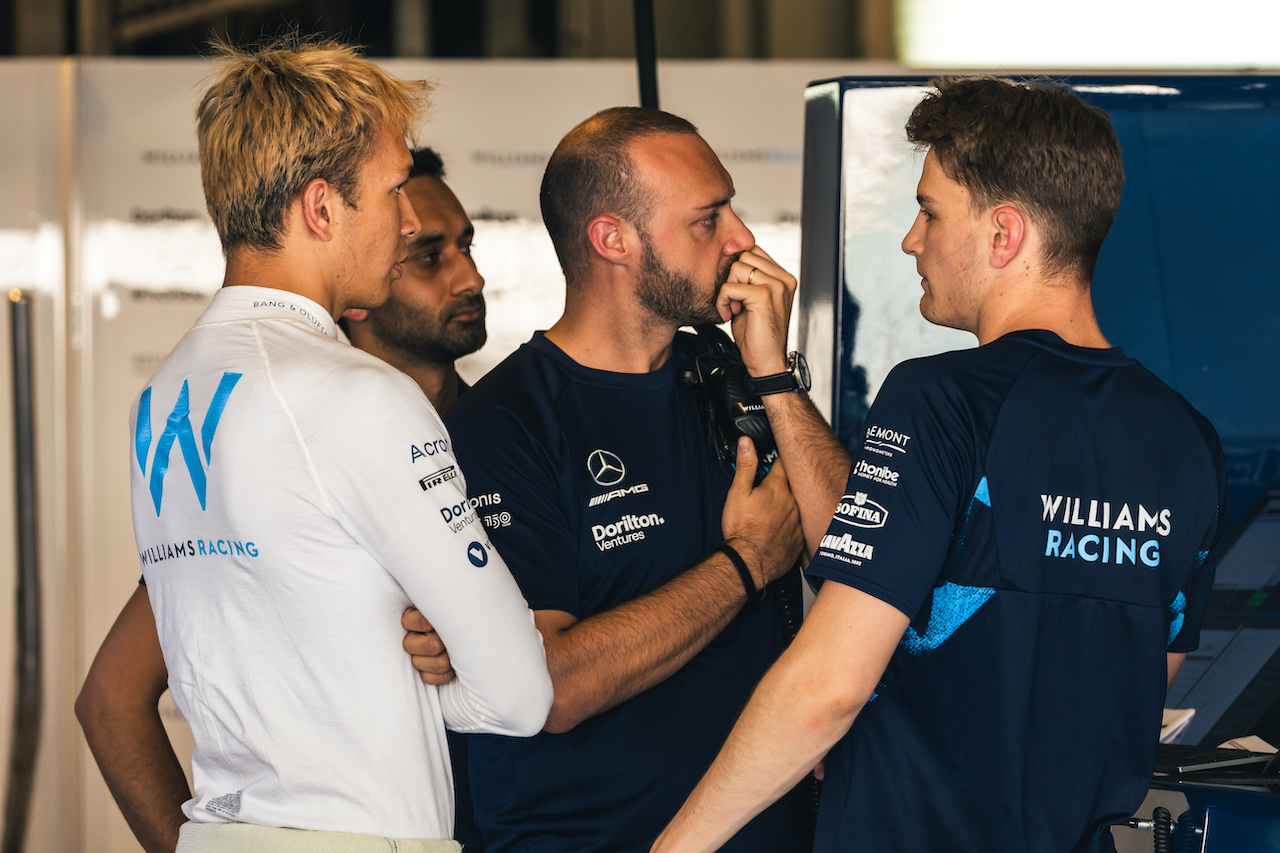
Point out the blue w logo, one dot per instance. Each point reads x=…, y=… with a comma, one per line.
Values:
x=178, y=428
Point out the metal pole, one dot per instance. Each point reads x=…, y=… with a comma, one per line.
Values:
x=28, y=700
x=646, y=53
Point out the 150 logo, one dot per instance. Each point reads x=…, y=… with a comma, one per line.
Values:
x=177, y=428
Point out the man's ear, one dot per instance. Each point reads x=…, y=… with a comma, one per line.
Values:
x=613, y=239
x=318, y=204
x=1008, y=233
x=356, y=315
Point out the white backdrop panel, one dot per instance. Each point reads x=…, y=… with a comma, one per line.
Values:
x=149, y=259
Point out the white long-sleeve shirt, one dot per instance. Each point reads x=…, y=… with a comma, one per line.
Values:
x=292, y=496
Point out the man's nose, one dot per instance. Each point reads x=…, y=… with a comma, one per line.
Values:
x=911, y=242
x=409, y=224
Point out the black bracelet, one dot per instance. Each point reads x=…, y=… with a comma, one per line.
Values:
x=748, y=584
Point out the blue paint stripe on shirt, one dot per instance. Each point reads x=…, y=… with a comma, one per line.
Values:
x=953, y=605
x=142, y=430
x=211, y=417
x=1178, y=615
x=983, y=492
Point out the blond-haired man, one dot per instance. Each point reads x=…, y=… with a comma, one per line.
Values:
x=281, y=534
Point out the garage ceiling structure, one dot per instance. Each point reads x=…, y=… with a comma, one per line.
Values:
x=685, y=29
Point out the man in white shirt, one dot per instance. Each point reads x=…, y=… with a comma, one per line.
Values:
x=275, y=565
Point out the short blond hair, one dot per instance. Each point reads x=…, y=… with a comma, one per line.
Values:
x=283, y=114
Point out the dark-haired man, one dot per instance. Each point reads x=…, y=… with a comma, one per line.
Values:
x=1026, y=542
x=648, y=570
x=436, y=311
x=434, y=315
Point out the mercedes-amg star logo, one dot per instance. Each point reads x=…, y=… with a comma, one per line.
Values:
x=606, y=468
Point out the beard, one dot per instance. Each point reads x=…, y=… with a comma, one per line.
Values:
x=430, y=338
x=673, y=296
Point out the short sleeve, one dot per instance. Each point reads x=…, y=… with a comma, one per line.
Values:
x=892, y=528
x=514, y=481
x=1187, y=610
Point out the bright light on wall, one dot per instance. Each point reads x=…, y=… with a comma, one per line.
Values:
x=1108, y=34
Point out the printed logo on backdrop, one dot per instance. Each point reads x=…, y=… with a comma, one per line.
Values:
x=178, y=429
x=605, y=468
x=146, y=216
x=526, y=159
x=160, y=157
x=859, y=510
x=762, y=156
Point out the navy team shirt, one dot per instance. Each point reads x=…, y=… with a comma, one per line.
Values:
x=597, y=487
x=1047, y=515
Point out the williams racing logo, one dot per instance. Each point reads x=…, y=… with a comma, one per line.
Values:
x=630, y=528
x=860, y=511
x=178, y=429
x=1100, y=531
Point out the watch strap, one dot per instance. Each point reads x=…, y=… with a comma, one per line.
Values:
x=776, y=383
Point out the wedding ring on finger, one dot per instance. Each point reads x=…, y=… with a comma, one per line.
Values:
x=751, y=275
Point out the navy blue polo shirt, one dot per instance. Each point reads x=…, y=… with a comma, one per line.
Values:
x=597, y=487
x=1048, y=517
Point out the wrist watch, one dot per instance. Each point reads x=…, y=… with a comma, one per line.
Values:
x=794, y=378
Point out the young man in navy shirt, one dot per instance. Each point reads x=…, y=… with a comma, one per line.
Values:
x=1022, y=554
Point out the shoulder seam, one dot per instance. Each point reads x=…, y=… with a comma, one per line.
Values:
x=293, y=423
